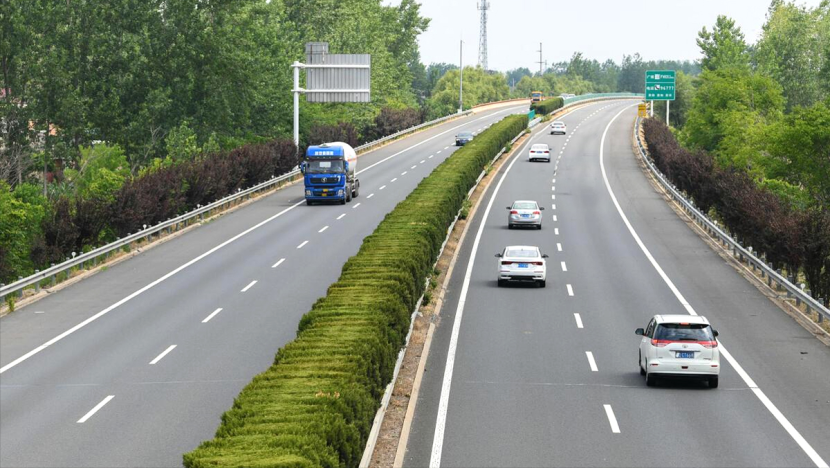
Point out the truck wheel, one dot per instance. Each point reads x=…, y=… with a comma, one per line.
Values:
x=308, y=202
x=348, y=194
x=343, y=201
x=356, y=190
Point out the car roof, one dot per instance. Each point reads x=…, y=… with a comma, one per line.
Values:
x=465, y=133
x=525, y=201
x=540, y=145
x=559, y=122
x=521, y=247
x=680, y=319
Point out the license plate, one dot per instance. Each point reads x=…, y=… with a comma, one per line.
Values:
x=324, y=194
x=685, y=354
x=523, y=265
x=525, y=216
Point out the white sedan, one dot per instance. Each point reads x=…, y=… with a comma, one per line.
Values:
x=539, y=151
x=679, y=346
x=558, y=126
x=523, y=263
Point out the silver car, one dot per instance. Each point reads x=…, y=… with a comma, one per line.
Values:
x=525, y=213
x=558, y=127
x=522, y=263
x=539, y=151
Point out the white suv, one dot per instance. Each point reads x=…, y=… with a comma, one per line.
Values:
x=679, y=346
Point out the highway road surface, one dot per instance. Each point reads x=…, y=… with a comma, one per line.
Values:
x=135, y=365
x=524, y=376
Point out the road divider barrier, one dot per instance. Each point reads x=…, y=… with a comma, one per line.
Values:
x=315, y=405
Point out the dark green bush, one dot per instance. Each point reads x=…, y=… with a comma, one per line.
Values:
x=547, y=106
x=315, y=405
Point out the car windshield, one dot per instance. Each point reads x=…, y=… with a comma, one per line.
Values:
x=524, y=206
x=684, y=332
x=465, y=135
x=324, y=166
x=539, y=148
x=522, y=253
x=558, y=124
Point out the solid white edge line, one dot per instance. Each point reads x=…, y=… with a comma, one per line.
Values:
x=591, y=361
x=95, y=410
x=785, y=423
x=324, y=228
x=252, y=283
x=164, y=353
x=223, y=244
x=570, y=290
x=279, y=262
x=302, y=245
x=578, y=320
x=140, y=291
x=443, y=403
x=615, y=428
x=212, y=314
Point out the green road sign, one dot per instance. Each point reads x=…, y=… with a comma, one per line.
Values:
x=660, y=85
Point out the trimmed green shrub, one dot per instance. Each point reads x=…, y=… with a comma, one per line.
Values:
x=547, y=106
x=315, y=405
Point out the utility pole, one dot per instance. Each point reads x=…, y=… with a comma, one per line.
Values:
x=461, y=77
x=483, y=6
x=540, y=59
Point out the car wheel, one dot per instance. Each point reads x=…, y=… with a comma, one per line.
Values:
x=308, y=202
x=509, y=226
x=343, y=201
x=640, y=364
x=501, y=283
x=651, y=380
x=539, y=226
x=542, y=283
x=713, y=382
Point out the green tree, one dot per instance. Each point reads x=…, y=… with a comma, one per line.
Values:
x=679, y=108
x=102, y=170
x=21, y=212
x=724, y=46
x=479, y=86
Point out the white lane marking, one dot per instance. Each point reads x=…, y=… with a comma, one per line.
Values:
x=324, y=228
x=578, y=320
x=591, y=361
x=553, y=181
x=413, y=167
x=382, y=187
x=436, y=136
x=445, y=148
x=95, y=410
x=558, y=246
x=393, y=179
x=163, y=353
x=356, y=205
x=370, y=196
x=553, y=188
x=403, y=173
x=212, y=314
x=423, y=161
x=341, y=216
x=556, y=231
x=279, y=262
x=553, y=197
x=768, y=404
x=554, y=218
x=439, y=152
x=570, y=290
x=443, y=403
x=430, y=156
x=564, y=267
x=302, y=245
x=553, y=207
x=252, y=283
x=615, y=428
x=142, y=290
x=223, y=244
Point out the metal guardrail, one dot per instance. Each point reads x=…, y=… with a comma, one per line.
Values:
x=600, y=96
x=773, y=277
x=91, y=259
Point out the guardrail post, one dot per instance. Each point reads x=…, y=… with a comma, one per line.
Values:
x=37, y=285
x=798, y=298
x=20, y=291
x=54, y=277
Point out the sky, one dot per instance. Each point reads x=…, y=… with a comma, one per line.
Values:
x=600, y=29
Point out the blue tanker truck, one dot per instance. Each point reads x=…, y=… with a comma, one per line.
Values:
x=329, y=172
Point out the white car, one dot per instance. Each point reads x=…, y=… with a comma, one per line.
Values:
x=684, y=346
x=539, y=151
x=522, y=263
x=525, y=213
x=558, y=127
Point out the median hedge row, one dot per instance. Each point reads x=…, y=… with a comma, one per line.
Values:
x=547, y=106
x=315, y=405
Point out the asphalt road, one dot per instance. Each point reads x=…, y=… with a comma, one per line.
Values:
x=509, y=381
x=157, y=363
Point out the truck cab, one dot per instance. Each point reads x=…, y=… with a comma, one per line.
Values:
x=329, y=173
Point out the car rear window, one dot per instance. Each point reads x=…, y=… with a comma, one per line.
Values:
x=522, y=253
x=684, y=332
x=465, y=135
x=524, y=206
x=558, y=124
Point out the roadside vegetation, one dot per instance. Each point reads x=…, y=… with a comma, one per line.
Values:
x=750, y=137
x=315, y=405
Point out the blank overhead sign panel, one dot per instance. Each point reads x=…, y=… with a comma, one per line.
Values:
x=336, y=77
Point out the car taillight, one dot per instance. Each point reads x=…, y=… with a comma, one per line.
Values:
x=660, y=343
x=537, y=212
x=514, y=212
x=538, y=263
x=506, y=263
x=708, y=344
x=547, y=152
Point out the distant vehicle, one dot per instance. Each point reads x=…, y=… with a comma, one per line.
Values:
x=329, y=173
x=536, y=96
x=539, y=151
x=683, y=346
x=463, y=138
x=557, y=127
x=523, y=263
x=566, y=95
x=525, y=213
